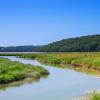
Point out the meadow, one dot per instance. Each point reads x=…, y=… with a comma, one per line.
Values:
x=89, y=60
x=14, y=71
x=84, y=60
x=11, y=71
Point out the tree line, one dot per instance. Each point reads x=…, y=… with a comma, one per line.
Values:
x=89, y=43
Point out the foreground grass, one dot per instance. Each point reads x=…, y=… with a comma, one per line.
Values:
x=95, y=96
x=90, y=96
x=11, y=71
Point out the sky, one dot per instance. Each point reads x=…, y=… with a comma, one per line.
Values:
x=39, y=22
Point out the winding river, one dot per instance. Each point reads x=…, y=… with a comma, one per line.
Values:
x=61, y=84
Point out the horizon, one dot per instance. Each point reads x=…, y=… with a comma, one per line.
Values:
x=40, y=22
x=50, y=42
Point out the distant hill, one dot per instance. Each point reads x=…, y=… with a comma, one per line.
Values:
x=19, y=49
x=80, y=44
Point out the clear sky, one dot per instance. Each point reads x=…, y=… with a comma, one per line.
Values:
x=37, y=22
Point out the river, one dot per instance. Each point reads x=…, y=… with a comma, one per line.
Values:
x=61, y=84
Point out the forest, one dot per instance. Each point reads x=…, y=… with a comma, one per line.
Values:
x=90, y=43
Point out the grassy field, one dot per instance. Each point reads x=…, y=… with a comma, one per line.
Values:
x=87, y=60
x=79, y=60
x=82, y=60
x=11, y=71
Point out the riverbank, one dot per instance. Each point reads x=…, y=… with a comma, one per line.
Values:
x=88, y=62
x=12, y=71
x=71, y=84
x=93, y=95
x=84, y=62
x=80, y=61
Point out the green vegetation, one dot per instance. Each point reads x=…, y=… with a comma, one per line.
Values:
x=80, y=44
x=83, y=60
x=11, y=71
x=95, y=96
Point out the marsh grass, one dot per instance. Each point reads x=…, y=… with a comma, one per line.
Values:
x=11, y=71
x=95, y=96
x=83, y=59
x=79, y=60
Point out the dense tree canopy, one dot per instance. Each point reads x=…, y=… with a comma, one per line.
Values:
x=79, y=44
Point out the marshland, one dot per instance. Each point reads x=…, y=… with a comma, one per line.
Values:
x=49, y=49
x=11, y=71
x=87, y=63
x=82, y=61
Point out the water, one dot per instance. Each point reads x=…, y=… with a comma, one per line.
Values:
x=61, y=84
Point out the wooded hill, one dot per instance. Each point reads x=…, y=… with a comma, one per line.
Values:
x=79, y=44
x=89, y=43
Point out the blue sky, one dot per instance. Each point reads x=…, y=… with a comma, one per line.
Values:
x=38, y=22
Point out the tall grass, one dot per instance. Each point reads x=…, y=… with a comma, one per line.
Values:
x=84, y=59
x=90, y=60
x=13, y=71
x=95, y=96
